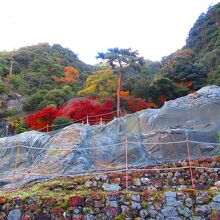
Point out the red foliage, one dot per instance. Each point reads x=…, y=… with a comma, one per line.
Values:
x=138, y=104
x=43, y=118
x=78, y=110
x=81, y=110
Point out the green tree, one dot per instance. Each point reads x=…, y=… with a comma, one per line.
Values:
x=32, y=103
x=180, y=68
x=121, y=58
x=61, y=122
x=160, y=87
x=2, y=87
x=54, y=98
x=214, y=78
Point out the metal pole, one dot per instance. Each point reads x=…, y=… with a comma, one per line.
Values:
x=189, y=159
x=87, y=119
x=126, y=162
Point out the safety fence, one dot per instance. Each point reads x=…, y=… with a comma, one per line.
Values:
x=119, y=161
x=99, y=119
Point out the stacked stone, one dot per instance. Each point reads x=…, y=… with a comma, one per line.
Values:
x=152, y=194
x=195, y=205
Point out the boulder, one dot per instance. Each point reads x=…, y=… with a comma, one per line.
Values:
x=82, y=148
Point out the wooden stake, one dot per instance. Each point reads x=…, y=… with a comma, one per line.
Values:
x=16, y=163
x=189, y=159
x=126, y=163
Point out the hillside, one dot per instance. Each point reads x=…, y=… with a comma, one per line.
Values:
x=30, y=71
x=198, y=62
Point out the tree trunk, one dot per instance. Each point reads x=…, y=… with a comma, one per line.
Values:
x=118, y=92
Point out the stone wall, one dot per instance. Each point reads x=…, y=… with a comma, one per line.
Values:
x=152, y=194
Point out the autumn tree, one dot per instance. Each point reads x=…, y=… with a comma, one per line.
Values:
x=43, y=119
x=101, y=83
x=138, y=104
x=71, y=75
x=120, y=58
x=88, y=108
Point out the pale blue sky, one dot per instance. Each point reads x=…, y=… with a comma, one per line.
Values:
x=153, y=27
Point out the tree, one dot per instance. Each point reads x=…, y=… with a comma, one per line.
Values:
x=71, y=74
x=16, y=124
x=120, y=58
x=43, y=119
x=214, y=78
x=43, y=98
x=180, y=68
x=138, y=104
x=2, y=87
x=101, y=83
x=90, y=109
x=61, y=122
x=55, y=98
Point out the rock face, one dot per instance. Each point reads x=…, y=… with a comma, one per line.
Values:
x=83, y=148
x=9, y=103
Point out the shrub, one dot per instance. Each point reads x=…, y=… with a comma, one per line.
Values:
x=61, y=122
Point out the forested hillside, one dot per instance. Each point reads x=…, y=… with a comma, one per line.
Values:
x=34, y=71
x=198, y=63
x=44, y=80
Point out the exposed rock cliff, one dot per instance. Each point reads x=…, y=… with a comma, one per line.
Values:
x=83, y=148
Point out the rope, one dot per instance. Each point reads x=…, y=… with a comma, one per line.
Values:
x=171, y=142
x=78, y=120
x=199, y=142
x=116, y=144
x=2, y=148
x=101, y=114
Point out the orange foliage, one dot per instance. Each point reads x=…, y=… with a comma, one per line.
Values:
x=71, y=74
x=184, y=84
x=162, y=99
x=152, y=105
x=124, y=93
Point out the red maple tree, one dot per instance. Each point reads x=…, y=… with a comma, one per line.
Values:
x=89, y=109
x=42, y=120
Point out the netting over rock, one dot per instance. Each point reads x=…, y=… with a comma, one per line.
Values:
x=153, y=136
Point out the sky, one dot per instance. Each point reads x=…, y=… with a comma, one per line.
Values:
x=155, y=28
